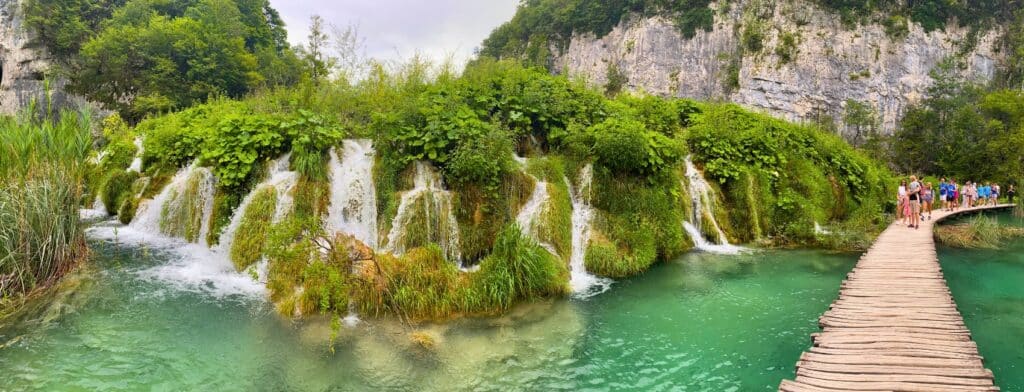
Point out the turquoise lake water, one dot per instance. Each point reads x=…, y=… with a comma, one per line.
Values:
x=988, y=287
x=700, y=323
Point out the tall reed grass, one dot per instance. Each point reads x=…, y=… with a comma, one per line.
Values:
x=42, y=164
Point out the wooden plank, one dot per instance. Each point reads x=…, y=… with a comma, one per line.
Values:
x=894, y=325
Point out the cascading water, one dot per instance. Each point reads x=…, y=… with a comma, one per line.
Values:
x=529, y=215
x=438, y=223
x=195, y=267
x=189, y=192
x=136, y=165
x=702, y=205
x=282, y=181
x=353, y=207
x=582, y=282
x=98, y=210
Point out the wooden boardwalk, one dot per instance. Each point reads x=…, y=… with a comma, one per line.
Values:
x=895, y=326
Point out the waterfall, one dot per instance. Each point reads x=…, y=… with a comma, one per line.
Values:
x=438, y=224
x=819, y=230
x=353, y=207
x=583, y=283
x=189, y=192
x=98, y=210
x=136, y=165
x=702, y=205
x=529, y=215
x=282, y=180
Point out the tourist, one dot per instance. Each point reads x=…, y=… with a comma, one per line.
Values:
x=969, y=193
x=952, y=194
x=988, y=193
x=982, y=195
x=914, y=195
x=995, y=194
x=927, y=196
x=902, y=206
x=943, y=193
x=1011, y=193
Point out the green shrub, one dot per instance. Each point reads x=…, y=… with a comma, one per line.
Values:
x=484, y=160
x=626, y=146
x=518, y=269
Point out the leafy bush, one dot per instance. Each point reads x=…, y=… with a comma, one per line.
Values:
x=626, y=146
x=485, y=159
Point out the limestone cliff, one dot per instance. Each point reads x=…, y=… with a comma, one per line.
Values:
x=24, y=65
x=829, y=64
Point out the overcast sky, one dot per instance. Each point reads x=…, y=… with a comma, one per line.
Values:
x=396, y=29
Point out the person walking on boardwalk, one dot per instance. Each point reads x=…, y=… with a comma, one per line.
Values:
x=902, y=206
x=995, y=194
x=914, y=195
x=943, y=188
x=1011, y=193
x=953, y=193
x=927, y=198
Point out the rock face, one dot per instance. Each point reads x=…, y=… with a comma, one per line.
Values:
x=832, y=63
x=24, y=64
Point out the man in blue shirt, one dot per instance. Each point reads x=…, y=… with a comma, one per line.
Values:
x=943, y=189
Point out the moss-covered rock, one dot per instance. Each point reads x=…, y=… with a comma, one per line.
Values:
x=182, y=215
x=641, y=218
x=117, y=188
x=251, y=236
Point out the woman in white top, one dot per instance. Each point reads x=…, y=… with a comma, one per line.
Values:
x=901, y=202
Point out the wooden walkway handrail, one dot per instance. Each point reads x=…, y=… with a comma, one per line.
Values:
x=895, y=326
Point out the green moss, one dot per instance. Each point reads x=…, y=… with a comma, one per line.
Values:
x=555, y=225
x=182, y=215
x=117, y=189
x=482, y=214
x=640, y=218
x=288, y=252
x=126, y=213
x=251, y=236
x=423, y=285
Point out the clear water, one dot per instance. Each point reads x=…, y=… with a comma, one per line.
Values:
x=987, y=287
x=701, y=323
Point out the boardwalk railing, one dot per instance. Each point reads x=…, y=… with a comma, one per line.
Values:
x=895, y=326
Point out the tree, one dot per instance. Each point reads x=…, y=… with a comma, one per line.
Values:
x=318, y=63
x=861, y=122
x=153, y=56
x=166, y=62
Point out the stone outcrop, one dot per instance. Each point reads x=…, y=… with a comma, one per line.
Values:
x=25, y=66
x=832, y=63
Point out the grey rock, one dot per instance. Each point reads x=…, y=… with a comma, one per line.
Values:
x=833, y=63
x=25, y=66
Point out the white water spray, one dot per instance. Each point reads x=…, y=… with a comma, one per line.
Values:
x=353, y=207
x=582, y=282
x=436, y=202
x=282, y=180
x=136, y=165
x=150, y=212
x=702, y=203
x=529, y=216
x=98, y=210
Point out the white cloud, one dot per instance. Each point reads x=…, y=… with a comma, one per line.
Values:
x=396, y=29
